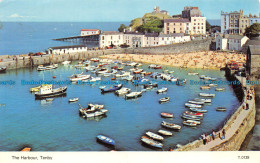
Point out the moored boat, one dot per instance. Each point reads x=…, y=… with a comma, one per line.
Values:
x=205, y=87
x=207, y=95
x=193, y=114
x=162, y=90
x=26, y=149
x=164, y=132
x=48, y=91
x=192, y=105
x=198, y=110
x=203, y=100
x=66, y=62
x=221, y=109
x=74, y=99
x=196, y=102
x=193, y=73
x=167, y=115
x=151, y=142
x=193, y=121
x=122, y=91
x=154, y=136
x=36, y=89
x=2, y=69
x=111, y=89
x=192, y=124
x=165, y=99
x=220, y=89
x=171, y=125
x=106, y=140
x=133, y=95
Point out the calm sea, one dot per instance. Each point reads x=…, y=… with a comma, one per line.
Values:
x=25, y=37
x=57, y=126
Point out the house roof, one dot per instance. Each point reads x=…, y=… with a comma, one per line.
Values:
x=151, y=34
x=176, y=20
x=89, y=29
x=111, y=33
x=254, y=49
x=134, y=33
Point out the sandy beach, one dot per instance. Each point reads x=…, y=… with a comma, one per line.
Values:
x=205, y=60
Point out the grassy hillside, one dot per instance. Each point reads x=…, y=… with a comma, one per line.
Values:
x=135, y=23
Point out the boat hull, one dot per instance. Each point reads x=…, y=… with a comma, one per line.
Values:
x=56, y=94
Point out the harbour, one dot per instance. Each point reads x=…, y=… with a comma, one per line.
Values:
x=120, y=123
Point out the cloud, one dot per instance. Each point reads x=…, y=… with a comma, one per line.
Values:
x=15, y=15
x=1, y=1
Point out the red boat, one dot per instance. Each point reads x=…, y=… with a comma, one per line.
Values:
x=157, y=67
x=114, y=67
x=167, y=115
x=138, y=71
x=193, y=113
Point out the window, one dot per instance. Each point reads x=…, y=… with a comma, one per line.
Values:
x=180, y=29
x=173, y=23
x=111, y=37
x=198, y=27
x=198, y=23
x=194, y=19
x=194, y=27
x=180, y=23
x=119, y=37
x=194, y=23
x=162, y=38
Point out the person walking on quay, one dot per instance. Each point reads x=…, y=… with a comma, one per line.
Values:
x=213, y=135
x=204, y=138
x=223, y=134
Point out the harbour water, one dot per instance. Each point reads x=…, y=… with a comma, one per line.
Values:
x=57, y=126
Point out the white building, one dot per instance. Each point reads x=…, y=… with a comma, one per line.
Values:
x=198, y=25
x=87, y=32
x=67, y=49
x=230, y=42
x=110, y=39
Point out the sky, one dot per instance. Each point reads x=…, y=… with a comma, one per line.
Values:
x=112, y=10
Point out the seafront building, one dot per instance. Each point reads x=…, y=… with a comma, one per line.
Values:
x=87, y=32
x=230, y=42
x=67, y=49
x=235, y=22
x=136, y=39
x=191, y=22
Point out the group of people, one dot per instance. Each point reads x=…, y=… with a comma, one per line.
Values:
x=212, y=136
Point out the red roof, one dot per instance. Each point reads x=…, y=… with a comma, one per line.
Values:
x=89, y=30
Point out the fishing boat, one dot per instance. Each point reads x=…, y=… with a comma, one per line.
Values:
x=171, y=125
x=2, y=69
x=181, y=82
x=151, y=142
x=154, y=136
x=202, y=76
x=78, y=77
x=167, y=115
x=148, y=73
x=122, y=91
x=203, y=100
x=91, y=107
x=133, y=95
x=207, y=95
x=94, y=113
x=221, y=109
x=36, y=89
x=164, y=132
x=106, y=140
x=48, y=91
x=111, y=89
x=193, y=121
x=205, y=87
x=193, y=114
x=196, y=102
x=191, y=124
x=165, y=99
x=220, y=89
x=162, y=90
x=66, y=62
x=102, y=71
x=198, y=110
x=74, y=99
x=207, y=78
x=192, y=105
x=94, y=59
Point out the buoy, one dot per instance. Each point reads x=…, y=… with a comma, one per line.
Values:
x=54, y=77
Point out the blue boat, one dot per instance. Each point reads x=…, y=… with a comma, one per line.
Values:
x=111, y=89
x=105, y=140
